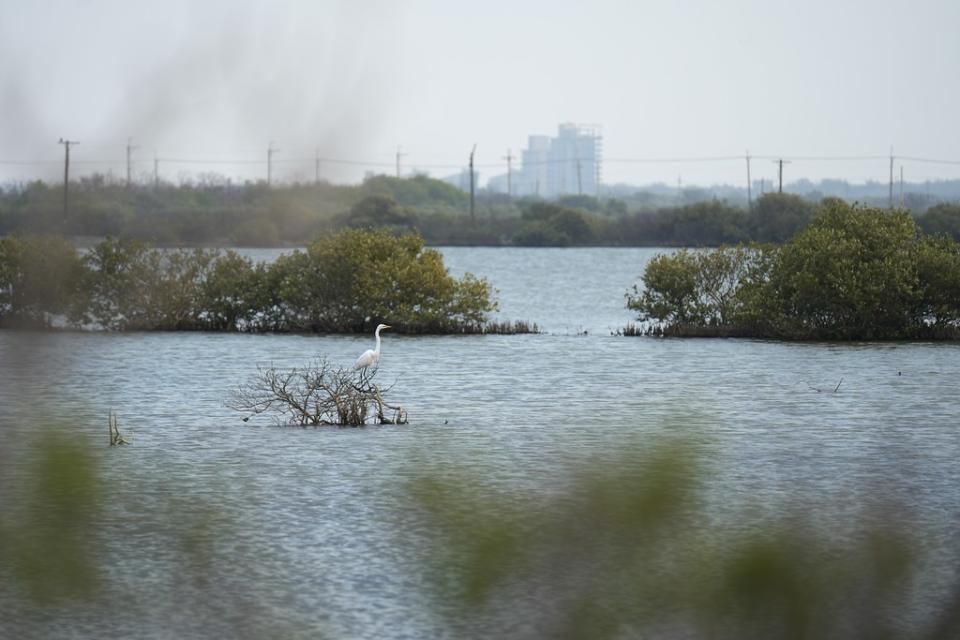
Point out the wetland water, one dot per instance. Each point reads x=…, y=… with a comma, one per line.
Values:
x=314, y=523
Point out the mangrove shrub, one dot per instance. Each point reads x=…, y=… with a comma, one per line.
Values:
x=39, y=280
x=351, y=280
x=856, y=273
x=695, y=289
x=344, y=282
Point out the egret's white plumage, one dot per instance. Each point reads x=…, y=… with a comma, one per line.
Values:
x=370, y=357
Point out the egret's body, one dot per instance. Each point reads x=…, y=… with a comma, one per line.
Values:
x=370, y=357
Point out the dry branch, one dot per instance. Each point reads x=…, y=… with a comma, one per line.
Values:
x=115, y=437
x=317, y=394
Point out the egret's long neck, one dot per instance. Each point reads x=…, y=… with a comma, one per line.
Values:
x=377, y=334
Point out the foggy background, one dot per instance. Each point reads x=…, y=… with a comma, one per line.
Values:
x=207, y=86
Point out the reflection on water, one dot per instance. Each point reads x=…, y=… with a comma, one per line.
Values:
x=314, y=513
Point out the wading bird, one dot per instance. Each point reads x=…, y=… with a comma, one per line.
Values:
x=370, y=356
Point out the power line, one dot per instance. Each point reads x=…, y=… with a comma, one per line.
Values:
x=376, y=163
x=209, y=161
x=29, y=162
x=674, y=159
x=928, y=160
x=821, y=158
x=507, y=164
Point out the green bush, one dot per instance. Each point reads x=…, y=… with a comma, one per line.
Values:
x=235, y=295
x=694, y=289
x=942, y=219
x=355, y=279
x=856, y=273
x=700, y=224
x=39, y=280
x=256, y=233
x=550, y=224
x=539, y=233
x=777, y=217
x=377, y=212
x=132, y=287
x=344, y=282
x=851, y=275
x=938, y=268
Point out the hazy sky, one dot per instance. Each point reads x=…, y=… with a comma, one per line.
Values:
x=219, y=80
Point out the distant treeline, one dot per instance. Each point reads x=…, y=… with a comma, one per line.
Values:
x=855, y=273
x=346, y=282
x=217, y=212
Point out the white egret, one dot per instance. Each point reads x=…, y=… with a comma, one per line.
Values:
x=371, y=356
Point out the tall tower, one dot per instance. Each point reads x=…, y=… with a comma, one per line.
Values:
x=575, y=160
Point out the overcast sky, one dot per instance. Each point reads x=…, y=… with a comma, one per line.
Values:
x=219, y=80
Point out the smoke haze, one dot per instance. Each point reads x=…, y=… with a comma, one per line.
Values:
x=219, y=80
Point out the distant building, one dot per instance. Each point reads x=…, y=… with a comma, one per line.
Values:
x=462, y=179
x=566, y=164
x=535, y=159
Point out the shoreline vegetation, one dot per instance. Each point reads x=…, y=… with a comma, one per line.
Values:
x=834, y=271
x=215, y=212
x=345, y=282
x=855, y=273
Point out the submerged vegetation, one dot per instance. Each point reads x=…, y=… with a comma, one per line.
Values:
x=343, y=282
x=856, y=273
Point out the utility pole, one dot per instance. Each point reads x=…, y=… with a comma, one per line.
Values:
x=156, y=170
x=270, y=152
x=66, y=176
x=891, y=177
x=749, y=185
x=472, y=215
x=509, y=159
x=316, y=166
x=399, y=155
x=780, y=164
x=579, y=180
x=130, y=150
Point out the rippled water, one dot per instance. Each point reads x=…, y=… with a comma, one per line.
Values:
x=317, y=522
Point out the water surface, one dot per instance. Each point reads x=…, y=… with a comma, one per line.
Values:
x=317, y=523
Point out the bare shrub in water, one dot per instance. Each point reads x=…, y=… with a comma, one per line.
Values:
x=318, y=394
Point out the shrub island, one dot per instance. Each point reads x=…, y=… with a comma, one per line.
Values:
x=855, y=273
x=341, y=283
